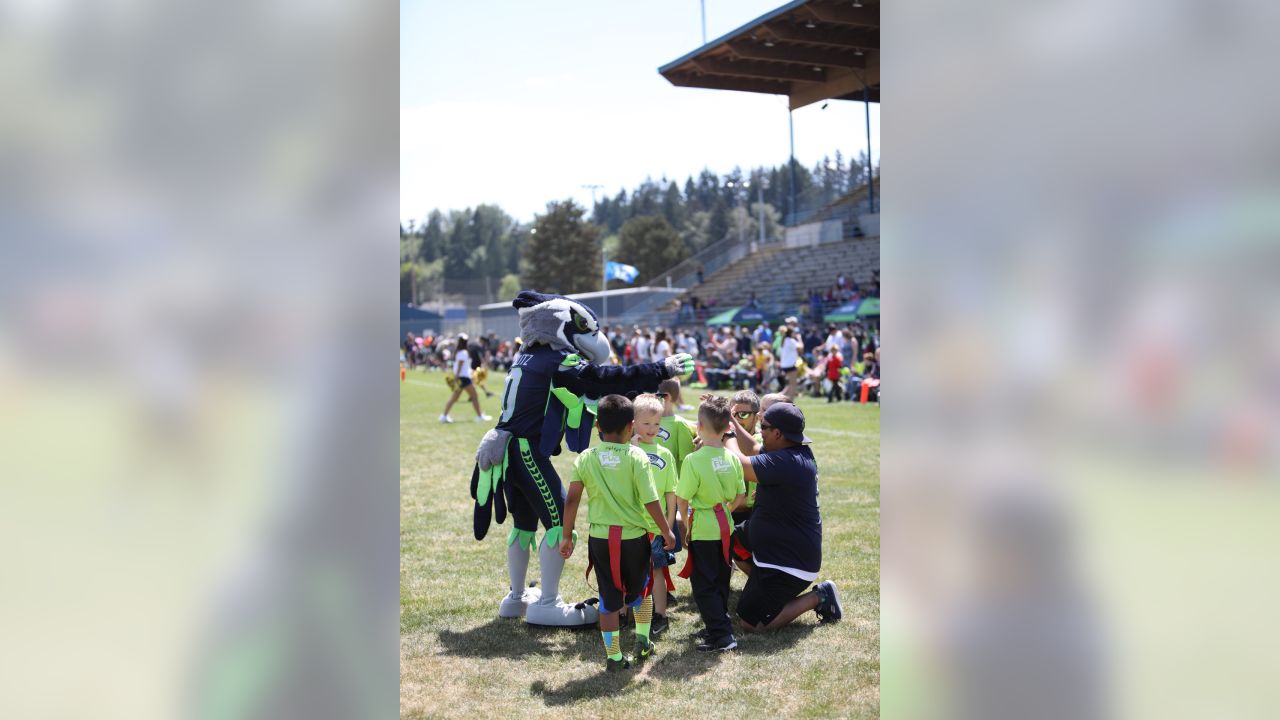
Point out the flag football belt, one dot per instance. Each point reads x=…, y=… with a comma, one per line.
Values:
x=666, y=572
x=615, y=558
x=725, y=535
x=615, y=565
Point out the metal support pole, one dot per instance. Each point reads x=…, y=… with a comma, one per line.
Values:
x=703, y=3
x=792, y=125
x=760, y=200
x=871, y=187
x=604, y=285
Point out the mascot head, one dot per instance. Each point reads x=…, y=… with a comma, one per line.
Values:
x=562, y=323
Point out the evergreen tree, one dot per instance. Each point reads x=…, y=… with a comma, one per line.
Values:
x=718, y=224
x=651, y=245
x=673, y=207
x=563, y=252
x=432, y=237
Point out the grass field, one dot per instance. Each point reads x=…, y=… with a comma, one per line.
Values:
x=457, y=659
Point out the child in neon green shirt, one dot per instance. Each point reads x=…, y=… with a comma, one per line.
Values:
x=623, y=505
x=648, y=416
x=710, y=482
x=675, y=434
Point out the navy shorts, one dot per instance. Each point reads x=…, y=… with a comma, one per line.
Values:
x=463, y=382
x=767, y=591
x=634, y=565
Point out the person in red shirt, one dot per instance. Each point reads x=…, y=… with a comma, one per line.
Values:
x=834, y=362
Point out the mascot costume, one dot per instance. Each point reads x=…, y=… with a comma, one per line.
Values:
x=549, y=396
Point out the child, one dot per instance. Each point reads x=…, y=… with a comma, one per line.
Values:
x=648, y=417
x=710, y=479
x=675, y=433
x=623, y=504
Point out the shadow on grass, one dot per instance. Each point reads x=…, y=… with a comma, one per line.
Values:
x=601, y=685
x=503, y=638
x=679, y=663
x=773, y=641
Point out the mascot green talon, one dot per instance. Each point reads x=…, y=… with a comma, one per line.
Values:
x=549, y=399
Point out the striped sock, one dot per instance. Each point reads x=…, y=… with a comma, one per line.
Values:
x=612, y=647
x=644, y=617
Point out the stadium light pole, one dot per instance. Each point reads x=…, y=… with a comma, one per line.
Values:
x=703, y=3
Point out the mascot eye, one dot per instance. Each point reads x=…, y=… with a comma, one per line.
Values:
x=580, y=322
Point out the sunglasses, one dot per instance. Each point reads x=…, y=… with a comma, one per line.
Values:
x=660, y=395
x=744, y=415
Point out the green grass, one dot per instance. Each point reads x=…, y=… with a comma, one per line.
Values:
x=457, y=659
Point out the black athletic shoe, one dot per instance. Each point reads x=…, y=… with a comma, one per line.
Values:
x=700, y=636
x=659, y=626
x=729, y=643
x=829, y=608
x=644, y=649
x=612, y=665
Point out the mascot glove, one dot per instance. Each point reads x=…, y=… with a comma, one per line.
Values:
x=491, y=458
x=678, y=365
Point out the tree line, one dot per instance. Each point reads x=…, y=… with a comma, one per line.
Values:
x=652, y=227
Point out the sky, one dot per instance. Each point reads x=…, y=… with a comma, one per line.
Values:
x=521, y=103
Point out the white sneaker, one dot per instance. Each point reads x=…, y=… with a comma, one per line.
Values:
x=483, y=418
x=446, y=419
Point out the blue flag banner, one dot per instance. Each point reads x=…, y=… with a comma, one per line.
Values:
x=618, y=271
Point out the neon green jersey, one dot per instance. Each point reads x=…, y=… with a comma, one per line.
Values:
x=709, y=477
x=663, y=466
x=676, y=434
x=618, y=483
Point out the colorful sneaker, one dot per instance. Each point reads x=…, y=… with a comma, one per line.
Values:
x=659, y=626
x=446, y=419
x=728, y=643
x=644, y=649
x=612, y=665
x=829, y=608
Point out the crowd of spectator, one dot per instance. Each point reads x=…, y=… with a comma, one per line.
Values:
x=835, y=361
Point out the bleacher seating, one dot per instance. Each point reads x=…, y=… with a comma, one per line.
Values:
x=781, y=277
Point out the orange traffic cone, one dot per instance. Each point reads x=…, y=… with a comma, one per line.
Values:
x=402, y=373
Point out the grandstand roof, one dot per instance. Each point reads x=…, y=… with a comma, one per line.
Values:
x=808, y=50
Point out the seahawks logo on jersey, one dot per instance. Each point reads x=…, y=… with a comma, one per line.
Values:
x=664, y=434
x=657, y=461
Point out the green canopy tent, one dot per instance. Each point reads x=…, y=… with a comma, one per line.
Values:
x=851, y=311
x=744, y=315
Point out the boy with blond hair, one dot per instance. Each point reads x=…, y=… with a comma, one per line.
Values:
x=711, y=480
x=648, y=417
x=675, y=433
x=623, y=505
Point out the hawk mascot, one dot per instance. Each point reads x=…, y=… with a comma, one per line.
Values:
x=549, y=397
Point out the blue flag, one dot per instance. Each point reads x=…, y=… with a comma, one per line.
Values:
x=618, y=271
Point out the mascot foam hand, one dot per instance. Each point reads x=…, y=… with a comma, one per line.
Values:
x=486, y=480
x=678, y=365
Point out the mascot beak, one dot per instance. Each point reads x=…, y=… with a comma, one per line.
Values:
x=594, y=346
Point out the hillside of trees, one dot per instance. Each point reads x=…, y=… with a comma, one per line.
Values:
x=485, y=254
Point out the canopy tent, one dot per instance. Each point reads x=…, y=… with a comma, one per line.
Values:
x=851, y=311
x=741, y=316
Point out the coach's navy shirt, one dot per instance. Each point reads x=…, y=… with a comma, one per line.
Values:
x=785, y=527
x=524, y=397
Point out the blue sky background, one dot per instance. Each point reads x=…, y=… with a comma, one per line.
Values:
x=520, y=103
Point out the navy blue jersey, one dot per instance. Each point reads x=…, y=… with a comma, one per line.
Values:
x=525, y=396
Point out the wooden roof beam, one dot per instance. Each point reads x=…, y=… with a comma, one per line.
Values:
x=766, y=71
x=825, y=57
x=845, y=15
x=721, y=82
x=837, y=37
